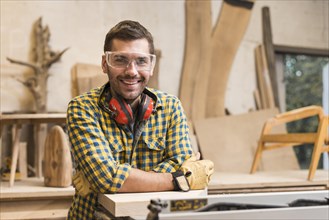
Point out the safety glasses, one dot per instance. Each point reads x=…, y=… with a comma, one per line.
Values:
x=121, y=60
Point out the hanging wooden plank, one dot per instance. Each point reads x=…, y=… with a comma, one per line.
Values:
x=270, y=54
x=227, y=35
x=196, y=66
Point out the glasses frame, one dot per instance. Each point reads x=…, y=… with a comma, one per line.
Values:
x=153, y=60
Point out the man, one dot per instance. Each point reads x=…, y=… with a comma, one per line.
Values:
x=126, y=137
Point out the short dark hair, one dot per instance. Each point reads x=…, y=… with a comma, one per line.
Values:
x=128, y=30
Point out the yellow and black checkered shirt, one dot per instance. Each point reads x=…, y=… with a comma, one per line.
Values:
x=105, y=151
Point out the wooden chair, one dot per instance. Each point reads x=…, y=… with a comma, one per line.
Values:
x=270, y=141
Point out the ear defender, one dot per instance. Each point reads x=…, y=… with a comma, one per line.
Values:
x=145, y=107
x=123, y=113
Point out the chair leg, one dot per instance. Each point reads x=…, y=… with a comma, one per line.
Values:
x=318, y=149
x=257, y=157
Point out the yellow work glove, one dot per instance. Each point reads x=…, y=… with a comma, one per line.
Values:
x=81, y=183
x=198, y=172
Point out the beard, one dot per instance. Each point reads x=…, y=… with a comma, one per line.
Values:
x=127, y=87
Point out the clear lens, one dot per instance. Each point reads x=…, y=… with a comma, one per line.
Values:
x=121, y=60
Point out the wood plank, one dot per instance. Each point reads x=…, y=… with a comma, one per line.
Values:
x=231, y=142
x=40, y=133
x=226, y=37
x=58, y=214
x=85, y=76
x=127, y=204
x=32, y=118
x=267, y=179
x=22, y=159
x=267, y=189
x=196, y=64
x=291, y=137
x=57, y=159
x=154, y=80
x=261, y=83
x=32, y=188
x=269, y=51
x=300, y=50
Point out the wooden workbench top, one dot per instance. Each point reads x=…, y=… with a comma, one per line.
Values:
x=32, y=118
x=129, y=204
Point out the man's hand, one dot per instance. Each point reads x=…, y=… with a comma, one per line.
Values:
x=198, y=172
x=81, y=183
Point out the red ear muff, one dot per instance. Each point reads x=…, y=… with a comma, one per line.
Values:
x=122, y=111
x=145, y=107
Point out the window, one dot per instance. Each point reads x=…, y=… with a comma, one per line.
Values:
x=303, y=81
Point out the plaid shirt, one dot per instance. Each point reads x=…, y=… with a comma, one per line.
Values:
x=106, y=151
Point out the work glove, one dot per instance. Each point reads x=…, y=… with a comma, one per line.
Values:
x=81, y=183
x=198, y=172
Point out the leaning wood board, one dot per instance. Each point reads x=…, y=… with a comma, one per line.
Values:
x=227, y=35
x=196, y=65
x=231, y=142
x=86, y=76
x=270, y=53
x=57, y=159
x=128, y=204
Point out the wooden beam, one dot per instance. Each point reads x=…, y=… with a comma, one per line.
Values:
x=269, y=51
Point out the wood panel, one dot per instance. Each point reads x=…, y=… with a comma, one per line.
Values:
x=86, y=76
x=57, y=159
x=269, y=52
x=154, y=80
x=231, y=25
x=196, y=66
x=289, y=180
x=231, y=142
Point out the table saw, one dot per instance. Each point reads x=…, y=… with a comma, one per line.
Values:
x=195, y=205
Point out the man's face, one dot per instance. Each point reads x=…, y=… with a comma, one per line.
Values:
x=128, y=82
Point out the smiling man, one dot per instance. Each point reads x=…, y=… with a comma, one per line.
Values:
x=126, y=137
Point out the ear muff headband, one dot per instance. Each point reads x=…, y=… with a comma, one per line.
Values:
x=145, y=107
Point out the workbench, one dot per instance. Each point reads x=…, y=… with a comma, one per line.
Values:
x=30, y=199
x=38, y=120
